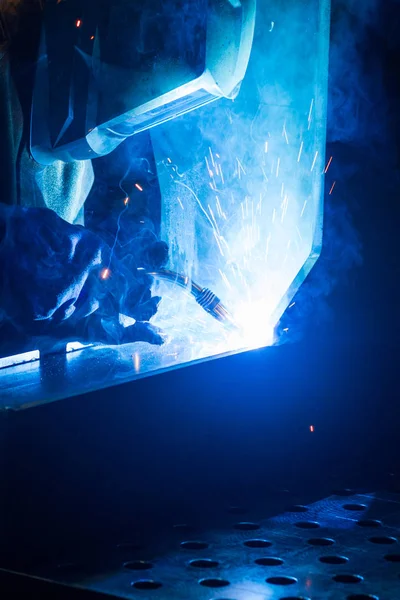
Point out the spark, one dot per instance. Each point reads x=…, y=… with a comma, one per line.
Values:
x=299, y=234
x=139, y=187
x=328, y=165
x=211, y=174
x=169, y=160
x=221, y=174
x=225, y=279
x=223, y=241
x=286, y=329
x=240, y=166
x=304, y=208
x=218, y=242
x=282, y=189
x=215, y=226
x=272, y=26
x=78, y=23
x=180, y=202
x=219, y=208
x=284, y=134
x=136, y=362
x=277, y=167
x=92, y=37
x=217, y=155
x=314, y=161
x=312, y=428
x=300, y=151
x=310, y=113
x=105, y=273
x=266, y=147
x=212, y=157
x=265, y=175
x=291, y=305
x=126, y=201
x=332, y=188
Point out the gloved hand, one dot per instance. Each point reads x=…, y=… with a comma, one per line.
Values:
x=52, y=281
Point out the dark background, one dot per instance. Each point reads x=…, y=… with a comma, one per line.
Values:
x=132, y=460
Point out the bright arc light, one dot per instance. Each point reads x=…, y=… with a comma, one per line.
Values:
x=256, y=331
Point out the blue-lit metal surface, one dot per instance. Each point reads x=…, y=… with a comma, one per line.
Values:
x=343, y=547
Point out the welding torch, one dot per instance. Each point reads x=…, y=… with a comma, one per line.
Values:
x=203, y=296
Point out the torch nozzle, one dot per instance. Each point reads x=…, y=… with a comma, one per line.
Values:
x=204, y=297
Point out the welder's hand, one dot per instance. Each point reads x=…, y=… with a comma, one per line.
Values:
x=111, y=332
x=144, y=254
x=45, y=264
x=52, y=284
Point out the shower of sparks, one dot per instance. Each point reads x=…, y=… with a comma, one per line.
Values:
x=314, y=161
x=138, y=187
x=332, y=188
x=328, y=165
x=246, y=258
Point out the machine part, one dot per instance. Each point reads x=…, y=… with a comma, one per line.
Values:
x=203, y=296
x=108, y=69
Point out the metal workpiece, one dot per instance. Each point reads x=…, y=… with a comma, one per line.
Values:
x=343, y=547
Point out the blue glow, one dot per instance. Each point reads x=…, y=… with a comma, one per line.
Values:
x=242, y=185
